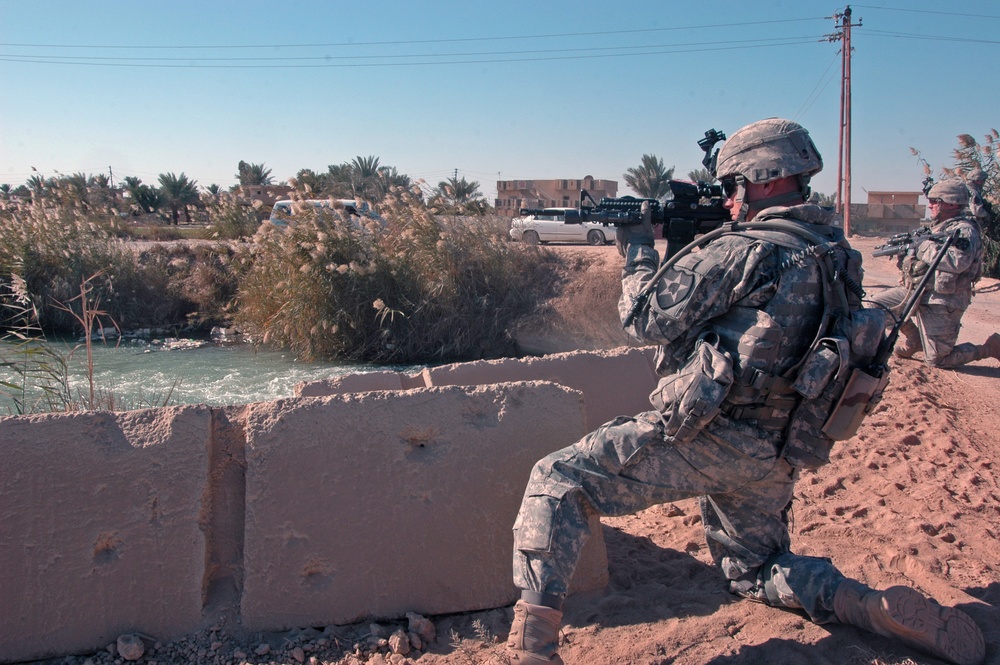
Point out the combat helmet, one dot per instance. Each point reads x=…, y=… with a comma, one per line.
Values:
x=763, y=151
x=767, y=150
x=950, y=191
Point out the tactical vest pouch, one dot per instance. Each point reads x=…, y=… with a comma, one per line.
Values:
x=945, y=283
x=690, y=397
x=837, y=392
x=827, y=360
x=861, y=394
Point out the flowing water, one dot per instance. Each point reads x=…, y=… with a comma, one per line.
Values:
x=144, y=374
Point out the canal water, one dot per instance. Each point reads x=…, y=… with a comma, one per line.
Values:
x=141, y=373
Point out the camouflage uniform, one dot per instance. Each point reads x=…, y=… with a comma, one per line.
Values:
x=753, y=348
x=936, y=321
x=734, y=464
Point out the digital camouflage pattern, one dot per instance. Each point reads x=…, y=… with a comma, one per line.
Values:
x=767, y=150
x=936, y=321
x=760, y=303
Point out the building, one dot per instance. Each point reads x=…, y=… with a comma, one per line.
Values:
x=266, y=194
x=895, y=212
x=513, y=195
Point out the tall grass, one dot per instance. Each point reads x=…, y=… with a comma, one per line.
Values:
x=37, y=374
x=54, y=242
x=229, y=219
x=416, y=288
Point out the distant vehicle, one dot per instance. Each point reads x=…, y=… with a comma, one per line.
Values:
x=549, y=225
x=286, y=212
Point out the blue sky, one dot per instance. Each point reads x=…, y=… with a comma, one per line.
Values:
x=511, y=90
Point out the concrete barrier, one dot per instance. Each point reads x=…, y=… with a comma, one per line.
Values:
x=300, y=512
x=375, y=504
x=614, y=383
x=101, y=520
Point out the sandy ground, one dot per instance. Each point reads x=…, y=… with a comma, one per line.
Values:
x=913, y=499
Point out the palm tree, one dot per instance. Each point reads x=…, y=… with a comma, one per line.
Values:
x=825, y=200
x=146, y=198
x=178, y=192
x=37, y=185
x=459, y=195
x=701, y=175
x=309, y=181
x=5, y=191
x=338, y=181
x=390, y=178
x=365, y=174
x=254, y=174
x=72, y=189
x=649, y=179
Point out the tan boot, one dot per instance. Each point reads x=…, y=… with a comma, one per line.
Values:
x=908, y=343
x=534, y=635
x=990, y=348
x=905, y=614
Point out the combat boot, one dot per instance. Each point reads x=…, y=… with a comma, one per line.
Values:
x=908, y=344
x=905, y=614
x=990, y=348
x=534, y=635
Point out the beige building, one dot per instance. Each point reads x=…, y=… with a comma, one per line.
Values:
x=889, y=211
x=266, y=194
x=512, y=195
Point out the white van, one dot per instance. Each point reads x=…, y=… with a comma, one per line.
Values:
x=285, y=212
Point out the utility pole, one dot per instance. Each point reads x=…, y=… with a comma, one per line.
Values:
x=844, y=144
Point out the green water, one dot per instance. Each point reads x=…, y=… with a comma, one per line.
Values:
x=143, y=374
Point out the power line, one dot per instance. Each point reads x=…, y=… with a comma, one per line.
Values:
x=100, y=59
x=824, y=79
x=422, y=41
x=657, y=50
x=925, y=11
x=940, y=38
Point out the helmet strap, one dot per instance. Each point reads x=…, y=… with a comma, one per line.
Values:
x=741, y=196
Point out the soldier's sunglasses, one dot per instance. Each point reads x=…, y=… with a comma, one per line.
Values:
x=729, y=186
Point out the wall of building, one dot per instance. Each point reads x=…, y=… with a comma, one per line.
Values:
x=300, y=512
x=513, y=195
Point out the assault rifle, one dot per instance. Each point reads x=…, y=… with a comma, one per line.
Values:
x=690, y=208
x=865, y=386
x=901, y=243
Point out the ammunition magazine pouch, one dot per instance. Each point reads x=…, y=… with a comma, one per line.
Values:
x=690, y=397
x=837, y=393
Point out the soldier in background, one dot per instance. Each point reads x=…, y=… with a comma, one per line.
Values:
x=937, y=319
x=731, y=320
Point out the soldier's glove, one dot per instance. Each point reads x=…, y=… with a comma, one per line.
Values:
x=636, y=234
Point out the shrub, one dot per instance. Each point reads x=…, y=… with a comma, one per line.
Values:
x=230, y=220
x=414, y=288
x=54, y=244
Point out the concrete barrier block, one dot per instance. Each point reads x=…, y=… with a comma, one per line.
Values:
x=614, y=382
x=100, y=518
x=371, y=505
x=361, y=383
